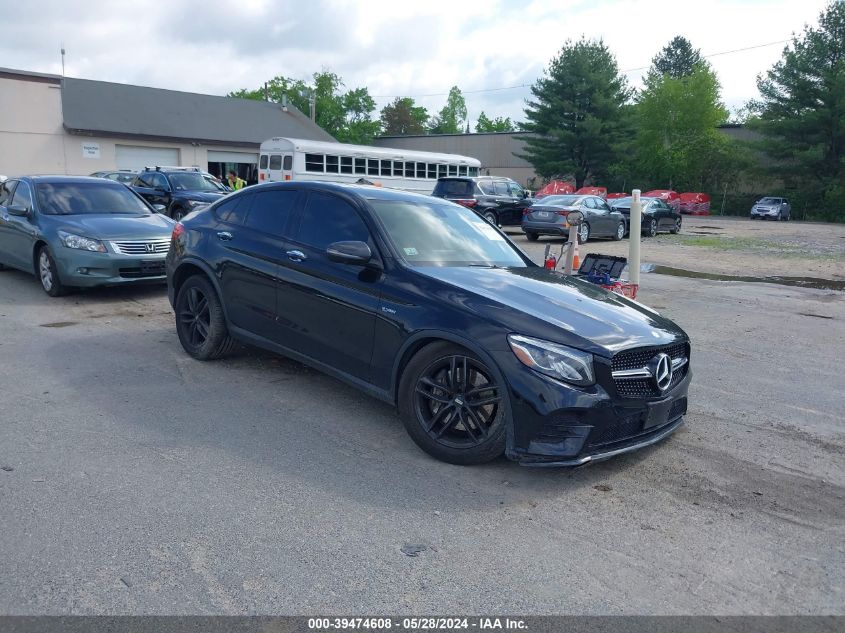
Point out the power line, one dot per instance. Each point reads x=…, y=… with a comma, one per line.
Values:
x=630, y=70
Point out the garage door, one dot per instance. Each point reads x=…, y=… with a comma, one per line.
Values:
x=135, y=157
x=232, y=157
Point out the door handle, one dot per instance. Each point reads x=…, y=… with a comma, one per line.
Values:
x=224, y=235
x=295, y=256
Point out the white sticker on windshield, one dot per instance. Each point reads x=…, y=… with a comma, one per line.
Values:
x=490, y=233
x=410, y=252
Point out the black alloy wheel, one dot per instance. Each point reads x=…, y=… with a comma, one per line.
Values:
x=677, y=228
x=651, y=228
x=200, y=322
x=491, y=218
x=453, y=405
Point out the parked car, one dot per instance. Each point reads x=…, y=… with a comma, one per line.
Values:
x=420, y=302
x=772, y=208
x=657, y=216
x=554, y=188
x=500, y=200
x=548, y=217
x=601, y=192
x=179, y=190
x=126, y=176
x=80, y=231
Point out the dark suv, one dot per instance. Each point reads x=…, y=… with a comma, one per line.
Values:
x=179, y=190
x=500, y=200
x=425, y=305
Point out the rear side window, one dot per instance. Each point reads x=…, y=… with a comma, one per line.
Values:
x=328, y=219
x=234, y=210
x=454, y=188
x=486, y=187
x=271, y=210
x=501, y=188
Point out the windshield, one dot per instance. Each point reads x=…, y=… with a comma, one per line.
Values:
x=191, y=181
x=438, y=233
x=626, y=202
x=559, y=201
x=769, y=201
x=72, y=198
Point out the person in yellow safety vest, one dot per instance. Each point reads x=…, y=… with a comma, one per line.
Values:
x=234, y=182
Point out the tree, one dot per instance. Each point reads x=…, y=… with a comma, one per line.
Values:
x=577, y=113
x=403, y=118
x=346, y=116
x=677, y=59
x=677, y=136
x=801, y=114
x=453, y=117
x=485, y=124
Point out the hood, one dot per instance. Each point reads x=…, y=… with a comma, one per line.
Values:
x=549, y=305
x=202, y=196
x=109, y=226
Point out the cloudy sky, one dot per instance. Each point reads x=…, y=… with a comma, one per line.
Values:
x=417, y=49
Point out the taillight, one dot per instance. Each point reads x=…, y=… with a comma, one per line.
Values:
x=562, y=213
x=526, y=211
x=177, y=231
x=470, y=202
x=261, y=175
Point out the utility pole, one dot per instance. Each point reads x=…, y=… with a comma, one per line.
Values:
x=63, y=58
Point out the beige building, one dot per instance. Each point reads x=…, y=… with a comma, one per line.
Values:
x=61, y=125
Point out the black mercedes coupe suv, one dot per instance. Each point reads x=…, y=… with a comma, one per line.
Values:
x=426, y=305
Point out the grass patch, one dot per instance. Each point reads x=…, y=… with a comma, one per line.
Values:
x=753, y=245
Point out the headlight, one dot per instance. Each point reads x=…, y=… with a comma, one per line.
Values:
x=82, y=243
x=557, y=361
x=193, y=203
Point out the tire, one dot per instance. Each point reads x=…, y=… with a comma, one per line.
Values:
x=651, y=228
x=677, y=228
x=200, y=322
x=532, y=237
x=583, y=232
x=423, y=402
x=491, y=218
x=48, y=274
x=620, y=232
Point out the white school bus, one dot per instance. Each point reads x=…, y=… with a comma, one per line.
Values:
x=295, y=159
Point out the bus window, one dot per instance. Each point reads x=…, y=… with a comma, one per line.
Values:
x=420, y=170
x=386, y=168
x=276, y=162
x=288, y=162
x=462, y=170
x=432, y=171
x=409, y=169
x=473, y=171
x=372, y=167
x=345, y=164
x=398, y=168
x=441, y=171
x=332, y=163
x=314, y=162
x=262, y=162
x=361, y=166
x=453, y=170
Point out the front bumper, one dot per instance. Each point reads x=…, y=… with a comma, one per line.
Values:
x=87, y=268
x=761, y=213
x=558, y=425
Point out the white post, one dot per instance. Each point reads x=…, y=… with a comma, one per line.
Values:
x=634, y=236
x=569, y=264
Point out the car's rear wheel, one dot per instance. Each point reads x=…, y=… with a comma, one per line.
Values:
x=532, y=237
x=620, y=232
x=651, y=228
x=48, y=274
x=200, y=323
x=583, y=232
x=491, y=218
x=453, y=405
x=677, y=228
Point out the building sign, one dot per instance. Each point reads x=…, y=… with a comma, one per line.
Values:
x=91, y=150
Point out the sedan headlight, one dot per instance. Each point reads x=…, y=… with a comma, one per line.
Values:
x=194, y=203
x=554, y=360
x=82, y=243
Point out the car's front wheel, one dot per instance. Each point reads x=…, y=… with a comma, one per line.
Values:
x=453, y=405
x=200, y=323
x=48, y=274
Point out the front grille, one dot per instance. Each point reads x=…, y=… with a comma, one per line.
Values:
x=640, y=357
x=625, y=428
x=140, y=273
x=679, y=408
x=146, y=247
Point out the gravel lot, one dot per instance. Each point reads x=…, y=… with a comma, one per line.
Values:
x=136, y=480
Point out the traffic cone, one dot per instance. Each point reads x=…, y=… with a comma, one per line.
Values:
x=576, y=258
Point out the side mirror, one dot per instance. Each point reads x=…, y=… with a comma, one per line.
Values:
x=353, y=253
x=18, y=210
x=159, y=208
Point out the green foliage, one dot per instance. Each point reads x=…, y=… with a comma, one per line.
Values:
x=485, y=124
x=577, y=110
x=346, y=116
x=677, y=59
x=403, y=118
x=453, y=117
x=801, y=113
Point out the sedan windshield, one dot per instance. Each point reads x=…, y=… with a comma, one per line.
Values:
x=769, y=201
x=191, y=181
x=73, y=198
x=560, y=201
x=442, y=234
